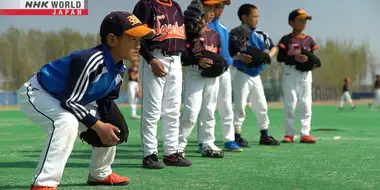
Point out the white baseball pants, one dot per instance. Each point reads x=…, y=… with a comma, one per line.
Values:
x=200, y=97
x=297, y=91
x=62, y=128
x=161, y=99
x=225, y=106
x=346, y=96
x=246, y=87
x=376, y=99
x=133, y=88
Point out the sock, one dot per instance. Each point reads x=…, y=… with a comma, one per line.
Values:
x=264, y=133
x=237, y=136
x=237, y=130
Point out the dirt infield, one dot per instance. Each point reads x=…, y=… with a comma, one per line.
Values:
x=270, y=104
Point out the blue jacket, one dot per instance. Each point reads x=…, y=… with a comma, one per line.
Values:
x=81, y=78
x=259, y=40
x=224, y=38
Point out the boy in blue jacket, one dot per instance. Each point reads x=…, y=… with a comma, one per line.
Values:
x=247, y=83
x=225, y=92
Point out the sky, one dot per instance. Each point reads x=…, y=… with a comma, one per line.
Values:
x=332, y=19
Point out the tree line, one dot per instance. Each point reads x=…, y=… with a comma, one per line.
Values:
x=23, y=52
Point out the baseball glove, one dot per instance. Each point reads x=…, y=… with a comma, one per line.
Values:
x=312, y=62
x=194, y=20
x=218, y=68
x=109, y=113
x=238, y=44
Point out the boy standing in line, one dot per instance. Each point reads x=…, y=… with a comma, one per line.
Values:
x=247, y=82
x=224, y=102
x=297, y=85
x=200, y=94
x=161, y=80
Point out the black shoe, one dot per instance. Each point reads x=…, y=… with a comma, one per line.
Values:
x=152, y=162
x=241, y=142
x=270, y=141
x=212, y=152
x=176, y=159
x=353, y=107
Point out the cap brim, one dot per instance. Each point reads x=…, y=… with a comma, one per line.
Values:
x=212, y=2
x=305, y=16
x=141, y=32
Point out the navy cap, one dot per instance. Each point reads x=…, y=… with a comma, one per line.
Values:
x=299, y=13
x=119, y=22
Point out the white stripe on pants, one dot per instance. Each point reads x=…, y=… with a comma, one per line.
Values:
x=346, y=96
x=225, y=106
x=200, y=97
x=161, y=99
x=297, y=90
x=133, y=87
x=246, y=87
x=62, y=127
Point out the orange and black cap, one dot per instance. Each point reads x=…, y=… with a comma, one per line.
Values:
x=119, y=22
x=299, y=13
x=212, y=2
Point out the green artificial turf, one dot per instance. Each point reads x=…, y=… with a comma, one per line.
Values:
x=351, y=162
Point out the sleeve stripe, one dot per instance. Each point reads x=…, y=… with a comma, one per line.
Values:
x=72, y=103
x=80, y=111
x=83, y=87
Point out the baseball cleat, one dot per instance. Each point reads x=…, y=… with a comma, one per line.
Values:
x=232, y=146
x=152, y=162
x=269, y=141
x=113, y=179
x=212, y=151
x=177, y=159
x=33, y=187
x=288, y=139
x=241, y=142
x=308, y=139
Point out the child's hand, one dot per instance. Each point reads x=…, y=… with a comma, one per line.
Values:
x=301, y=58
x=243, y=57
x=205, y=62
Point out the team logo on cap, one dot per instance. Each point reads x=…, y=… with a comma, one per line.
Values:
x=134, y=20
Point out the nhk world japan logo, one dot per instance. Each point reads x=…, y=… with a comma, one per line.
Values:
x=44, y=7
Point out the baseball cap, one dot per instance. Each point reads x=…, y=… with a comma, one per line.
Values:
x=299, y=13
x=211, y=2
x=226, y=2
x=119, y=22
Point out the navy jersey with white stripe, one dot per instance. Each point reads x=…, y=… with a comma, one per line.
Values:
x=81, y=78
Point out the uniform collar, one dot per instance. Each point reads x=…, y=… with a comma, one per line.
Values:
x=215, y=20
x=248, y=27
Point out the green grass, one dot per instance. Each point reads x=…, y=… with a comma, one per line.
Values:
x=349, y=163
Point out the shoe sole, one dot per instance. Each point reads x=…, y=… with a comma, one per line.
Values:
x=271, y=144
x=92, y=183
x=220, y=156
x=153, y=168
x=287, y=141
x=234, y=150
x=177, y=165
x=308, y=142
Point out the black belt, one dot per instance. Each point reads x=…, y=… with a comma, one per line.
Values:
x=169, y=53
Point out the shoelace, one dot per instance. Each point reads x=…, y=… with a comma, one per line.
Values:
x=214, y=147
